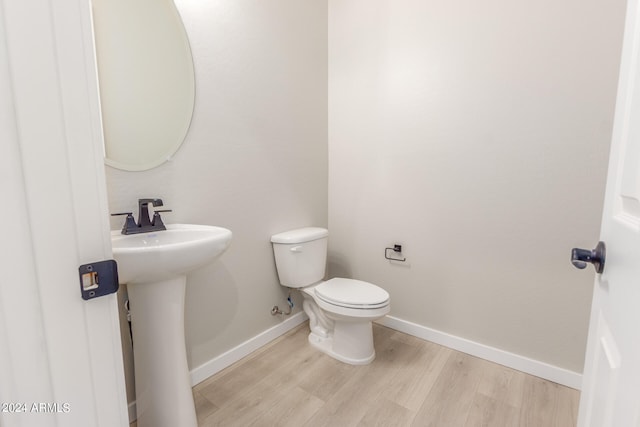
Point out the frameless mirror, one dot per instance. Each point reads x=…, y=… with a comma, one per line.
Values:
x=146, y=77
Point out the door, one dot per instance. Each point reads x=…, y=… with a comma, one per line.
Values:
x=611, y=382
x=60, y=357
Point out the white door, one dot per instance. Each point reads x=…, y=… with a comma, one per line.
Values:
x=60, y=357
x=611, y=382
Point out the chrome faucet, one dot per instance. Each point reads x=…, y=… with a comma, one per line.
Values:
x=145, y=224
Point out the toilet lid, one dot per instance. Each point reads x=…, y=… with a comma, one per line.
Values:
x=352, y=293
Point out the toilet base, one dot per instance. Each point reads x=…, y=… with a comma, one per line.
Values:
x=350, y=342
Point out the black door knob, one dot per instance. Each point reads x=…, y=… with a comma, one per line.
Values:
x=580, y=257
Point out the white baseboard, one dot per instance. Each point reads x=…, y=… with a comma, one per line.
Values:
x=133, y=415
x=228, y=358
x=502, y=357
x=492, y=354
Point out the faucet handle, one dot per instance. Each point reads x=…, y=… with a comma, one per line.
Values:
x=156, y=222
x=129, y=223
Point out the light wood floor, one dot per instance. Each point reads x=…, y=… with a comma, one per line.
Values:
x=410, y=383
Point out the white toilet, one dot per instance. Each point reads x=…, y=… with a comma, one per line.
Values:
x=340, y=310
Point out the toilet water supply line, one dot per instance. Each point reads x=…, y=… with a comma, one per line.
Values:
x=275, y=310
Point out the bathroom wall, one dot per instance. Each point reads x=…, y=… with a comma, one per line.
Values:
x=254, y=160
x=476, y=134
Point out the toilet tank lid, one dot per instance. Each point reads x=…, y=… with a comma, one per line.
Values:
x=300, y=235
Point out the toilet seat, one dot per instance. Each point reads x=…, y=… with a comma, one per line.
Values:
x=350, y=293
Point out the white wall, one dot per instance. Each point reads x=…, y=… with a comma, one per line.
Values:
x=254, y=160
x=476, y=134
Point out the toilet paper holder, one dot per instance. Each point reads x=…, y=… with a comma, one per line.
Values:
x=397, y=249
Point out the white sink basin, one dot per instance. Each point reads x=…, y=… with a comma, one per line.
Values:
x=154, y=266
x=149, y=257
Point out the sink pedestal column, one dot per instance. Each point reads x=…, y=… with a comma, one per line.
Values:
x=163, y=386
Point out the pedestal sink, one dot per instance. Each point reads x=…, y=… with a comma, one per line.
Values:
x=154, y=267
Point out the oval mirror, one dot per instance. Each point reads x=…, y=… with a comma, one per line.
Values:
x=146, y=78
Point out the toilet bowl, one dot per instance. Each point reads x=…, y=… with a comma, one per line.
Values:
x=340, y=310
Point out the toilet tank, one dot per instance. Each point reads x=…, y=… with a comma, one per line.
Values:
x=301, y=256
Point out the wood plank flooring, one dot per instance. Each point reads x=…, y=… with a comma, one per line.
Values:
x=410, y=383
